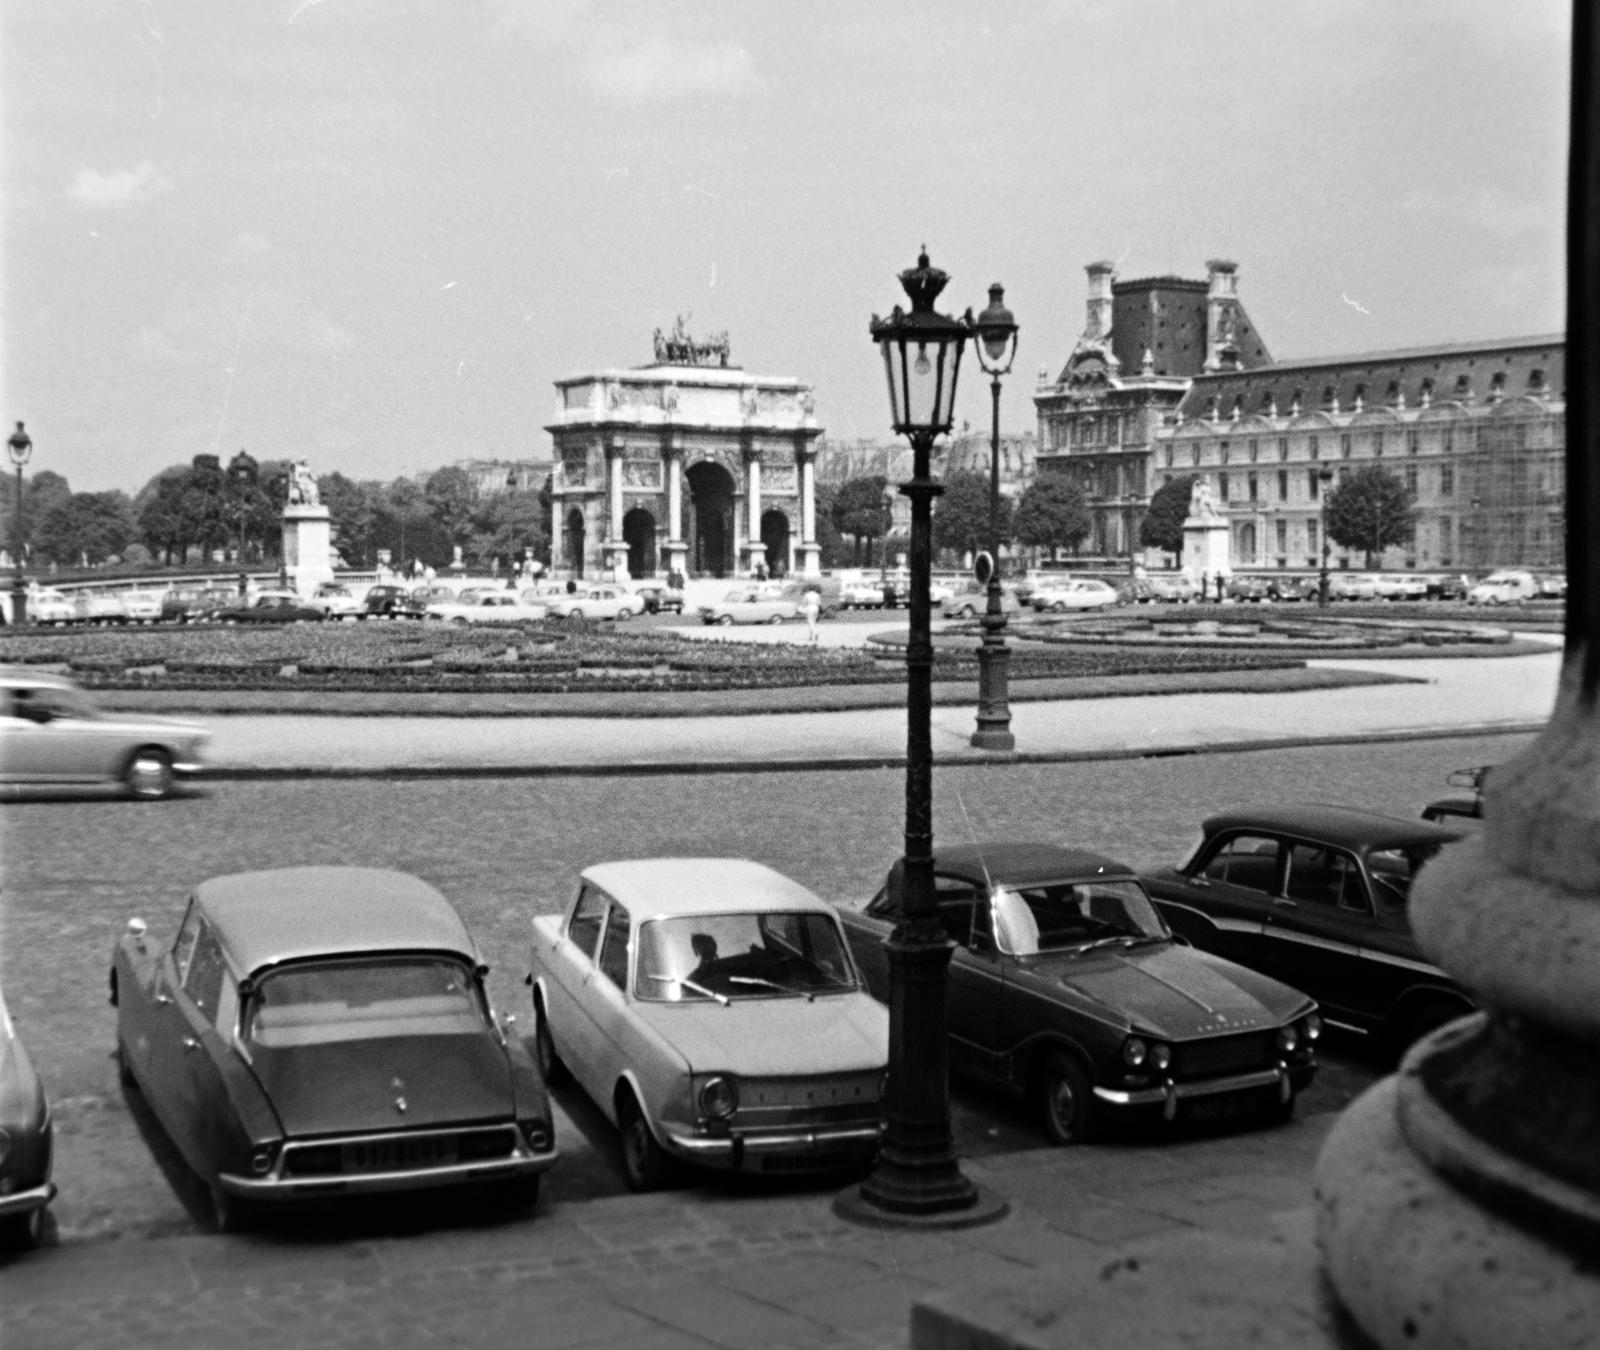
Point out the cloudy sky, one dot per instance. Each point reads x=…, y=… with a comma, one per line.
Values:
x=373, y=232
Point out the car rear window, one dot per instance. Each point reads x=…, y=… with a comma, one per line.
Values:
x=364, y=1000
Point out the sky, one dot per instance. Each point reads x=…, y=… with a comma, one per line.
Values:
x=372, y=233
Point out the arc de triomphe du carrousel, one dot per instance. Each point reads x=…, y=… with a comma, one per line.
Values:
x=686, y=465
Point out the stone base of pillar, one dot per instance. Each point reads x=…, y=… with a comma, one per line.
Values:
x=751, y=554
x=808, y=558
x=677, y=557
x=306, y=562
x=616, y=560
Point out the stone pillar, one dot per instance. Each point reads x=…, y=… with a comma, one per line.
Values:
x=306, y=535
x=614, y=549
x=677, y=549
x=1459, y=1202
x=557, y=527
x=754, y=550
x=809, y=551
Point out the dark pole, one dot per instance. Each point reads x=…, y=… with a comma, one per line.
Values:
x=1583, y=373
x=994, y=657
x=1324, y=477
x=20, y=447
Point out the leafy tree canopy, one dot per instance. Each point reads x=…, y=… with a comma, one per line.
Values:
x=860, y=511
x=1369, y=509
x=451, y=498
x=961, y=514
x=1162, y=526
x=1052, y=513
x=88, y=525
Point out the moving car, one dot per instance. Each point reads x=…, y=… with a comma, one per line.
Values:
x=490, y=607
x=272, y=607
x=325, y=1031
x=598, y=602
x=52, y=735
x=1066, y=986
x=749, y=606
x=1073, y=593
x=1448, y=587
x=391, y=602
x=336, y=601
x=1504, y=588
x=27, y=1143
x=1455, y=811
x=190, y=604
x=1315, y=896
x=710, y=1008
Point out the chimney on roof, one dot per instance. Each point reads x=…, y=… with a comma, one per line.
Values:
x=1222, y=295
x=1097, y=325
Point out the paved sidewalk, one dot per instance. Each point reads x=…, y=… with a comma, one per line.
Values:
x=1139, y=1227
x=1507, y=694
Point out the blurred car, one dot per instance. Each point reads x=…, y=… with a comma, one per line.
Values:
x=271, y=607
x=326, y=1031
x=491, y=607
x=1504, y=588
x=1401, y=586
x=52, y=735
x=1162, y=588
x=99, y=607
x=52, y=607
x=188, y=604
x=1074, y=593
x=391, y=602
x=1247, y=588
x=1289, y=589
x=1353, y=586
x=862, y=593
x=1456, y=811
x=1315, y=896
x=1552, y=586
x=749, y=606
x=711, y=1010
x=142, y=606
x=969, y=600
x=830, y=594
x=1448, y=587
x=659, y=598
x=27, y=1143
x=336, y=601
x=1066, y=986
x=598, y=602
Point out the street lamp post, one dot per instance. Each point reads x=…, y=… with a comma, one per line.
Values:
x=20, y=448
x=918, y=1181
x=996, y=347
x=1324, y=477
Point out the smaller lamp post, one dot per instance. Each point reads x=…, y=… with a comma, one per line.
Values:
x=242, y=470
x=883, y=545
x=21, y=448
x=996, y=332
x=1324, y=477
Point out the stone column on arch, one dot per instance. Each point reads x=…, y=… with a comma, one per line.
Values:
x=615, y=548
x=754, y=549
x=677, y=548
x=808, y=551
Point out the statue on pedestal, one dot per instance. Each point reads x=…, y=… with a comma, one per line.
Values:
x=303, y=485
x=1203, y=502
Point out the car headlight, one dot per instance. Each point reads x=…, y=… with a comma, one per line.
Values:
x=5, y=1145
x=1310, y=1028
x=1134, y=1051
x=719, y=1098
x=1160, y=1056
x=1288, y=1038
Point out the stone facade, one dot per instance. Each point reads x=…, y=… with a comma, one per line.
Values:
x=704, y=470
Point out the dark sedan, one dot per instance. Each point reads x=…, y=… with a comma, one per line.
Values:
x=325, y=1031
x=274, y=607
x=1066, y=985
x=392, y=602
x=26, y=1144
x=1316, y=896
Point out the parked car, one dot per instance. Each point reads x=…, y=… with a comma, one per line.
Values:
x=336, y=601
x=272, y=607
x=1504, y=588
x=190, y=604
x=391, y=602
x=598, y=602
x=27, y=1143
x=830, y=593
x=141, y=606
x=1402, y=586
x=1353, y=586
x=52, y=607
x=491, y=607
x=1160, y=588
x=749, y=606
x=862, y=593
x=52, y=735
x=970, y=600
x=1316, y=896
x=1456, y=811
x=659, y=598
x=1074, y=593
x=1288, y=588
x=1066, y=986
x=99, y=607
x=325, y=1031
x=1552, y=586
x=1247, y=588
x=1447, y=586
x=711, y=1010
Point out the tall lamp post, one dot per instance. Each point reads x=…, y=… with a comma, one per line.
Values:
x=918, y=1181
x=996, y=346
x=20, y=447
x=1324, y=477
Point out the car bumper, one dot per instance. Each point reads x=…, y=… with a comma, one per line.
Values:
x=271, y=1190
x=732, y=1150
x=25, y=1202
x=1286, y=1080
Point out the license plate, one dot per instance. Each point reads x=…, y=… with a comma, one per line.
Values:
x=399, y=1155
x=1222, y=1108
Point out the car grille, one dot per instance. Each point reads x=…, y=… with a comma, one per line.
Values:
x=398, y=1152
x=1226, y=1054
x=813, y=1099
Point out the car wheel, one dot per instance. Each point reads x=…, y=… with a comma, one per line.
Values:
x=776, y=618
x=551, y=1065
x=574, y=614
x=624, y=614
x=149, y=773
x=23, y=1232
x=1066, y=1101
x=725, y=620
x=1059, y=608
x=644, y=1165
x=458, y=620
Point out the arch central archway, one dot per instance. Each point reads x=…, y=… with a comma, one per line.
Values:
x=639, y=534
x=574, y=541
x=711, y=532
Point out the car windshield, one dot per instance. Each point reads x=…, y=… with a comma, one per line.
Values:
x=1067, y=914
x=772, y=954
x=1393, y=868
x=364, y=1000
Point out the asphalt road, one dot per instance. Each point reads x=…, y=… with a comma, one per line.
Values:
x=77, y=870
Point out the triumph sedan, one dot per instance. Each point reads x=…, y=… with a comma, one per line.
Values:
x=319, y=1032
x=1066, y=986
x=711, y=1010
x=26, y=1143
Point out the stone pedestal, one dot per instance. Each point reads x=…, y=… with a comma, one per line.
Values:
x=752, y=553
x=306, y=547
x=677, y=557
x=808, y=558
x=1205, y=548
x=616, y=560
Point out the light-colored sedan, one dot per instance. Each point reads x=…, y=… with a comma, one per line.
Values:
x=711, y=1009
x=749, y=606
x=336, y=601
x=490, y=607
x=599, y=602
x=142, y=606
x=52, y=735
x=52, y=607
x=1079, y=593
x=99, y=607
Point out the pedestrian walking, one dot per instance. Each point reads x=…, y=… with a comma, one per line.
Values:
x=811, y=607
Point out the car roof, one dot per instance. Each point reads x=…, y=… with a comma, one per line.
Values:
x=662, y=887
x=15, y=677
x=291, y=913
x=1021, y=863
x=1346, y=826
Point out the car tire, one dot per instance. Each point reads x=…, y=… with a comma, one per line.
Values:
x=22, y=1232
x=148, y=776
x=776, y=618
x=1059, y=608
x=1066, y=1101
x=644, y=1165
x=574, y=614
x=624, y=614
x=551, y=1066
x=725, y=620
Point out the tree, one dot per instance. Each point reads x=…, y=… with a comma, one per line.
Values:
x=1370, y=510
x=860, y=511
x=351, y=514
x=90, y=526
x=1162, y=526
x=1052, y=513
x=158, y=513
x=205, y=504
x=961, y=514
x=831, y=547
x=451, y=498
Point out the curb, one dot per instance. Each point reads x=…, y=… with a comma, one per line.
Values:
x=846, y=763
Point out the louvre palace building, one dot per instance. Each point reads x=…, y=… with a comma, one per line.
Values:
x=1170, y=378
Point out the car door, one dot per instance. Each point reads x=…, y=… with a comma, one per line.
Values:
x=199, y=1099
x=1314, y=928
x=1392, y=962
x=975, y=998
x=157, y=1046
x=607, y=1003
x=571, y=965
x=866, y=931
x=1221, y=904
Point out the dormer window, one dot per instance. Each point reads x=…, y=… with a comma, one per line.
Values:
x=1497, y=386
x=1427, y=393
x=1394, y=398
x=1536, y=380
x=1463, y=387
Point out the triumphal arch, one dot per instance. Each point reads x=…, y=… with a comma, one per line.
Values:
x=688, y=464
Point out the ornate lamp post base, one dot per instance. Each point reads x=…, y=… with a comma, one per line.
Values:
x=994, y=676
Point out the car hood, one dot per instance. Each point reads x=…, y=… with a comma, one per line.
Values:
x=1170, y=990
x=353, y=1086
x=156, y=725
x=770, y=1037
